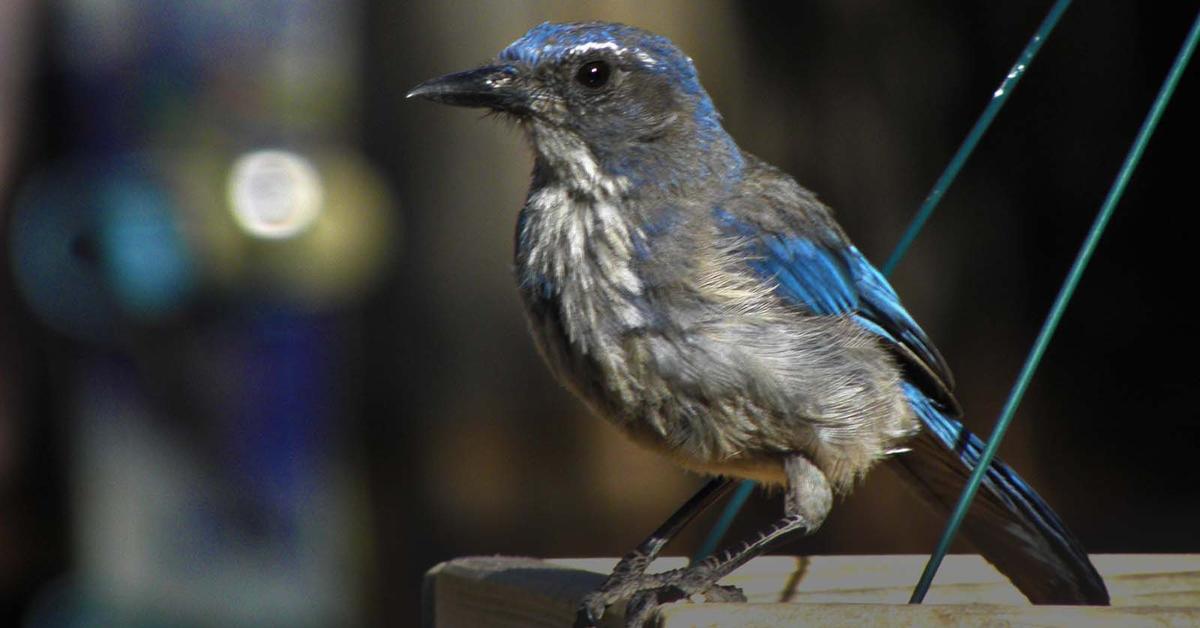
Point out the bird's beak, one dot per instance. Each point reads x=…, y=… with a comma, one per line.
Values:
x=493, y=86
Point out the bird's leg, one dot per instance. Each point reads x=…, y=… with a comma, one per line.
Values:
x=626, y=577
x=806, y=504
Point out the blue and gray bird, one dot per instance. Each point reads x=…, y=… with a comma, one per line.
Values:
x=713, y=310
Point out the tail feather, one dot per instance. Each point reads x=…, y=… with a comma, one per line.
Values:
x=1007, y=522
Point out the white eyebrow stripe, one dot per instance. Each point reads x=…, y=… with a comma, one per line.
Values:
x=596, y=45
x=587, y=47
x=646, y=59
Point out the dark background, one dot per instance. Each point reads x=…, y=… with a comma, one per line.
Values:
x=315, y=421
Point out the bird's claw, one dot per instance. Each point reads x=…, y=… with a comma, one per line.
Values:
x=591, y=609
x=643, y=603
x=720, y=594
x=627, y=578
x=695, y=585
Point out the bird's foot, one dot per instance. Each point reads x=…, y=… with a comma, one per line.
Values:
x=646, y=592
x=627, y=577
x=641, y=606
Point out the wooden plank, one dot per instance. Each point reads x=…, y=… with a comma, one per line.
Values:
x=1161, y=589
x=505, y=592
x=905, y=616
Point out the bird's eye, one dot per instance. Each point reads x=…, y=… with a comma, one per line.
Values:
x=593, y=74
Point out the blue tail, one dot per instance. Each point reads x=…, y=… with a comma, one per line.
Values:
x=1008, y=523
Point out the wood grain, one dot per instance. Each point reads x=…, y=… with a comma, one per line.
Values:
x=507, y=592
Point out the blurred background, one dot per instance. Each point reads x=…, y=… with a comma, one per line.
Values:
x=262, y=359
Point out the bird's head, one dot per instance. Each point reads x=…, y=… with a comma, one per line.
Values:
x=629, y=98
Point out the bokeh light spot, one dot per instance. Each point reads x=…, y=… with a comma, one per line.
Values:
x=274, y=194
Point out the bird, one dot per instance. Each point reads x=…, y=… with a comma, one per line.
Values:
x=714, y=311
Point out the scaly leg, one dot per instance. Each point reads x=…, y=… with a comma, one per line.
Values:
x=806, y=504
x=626, y=577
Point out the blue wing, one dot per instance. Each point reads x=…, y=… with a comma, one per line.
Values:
x=816, y=269
x=824, y=274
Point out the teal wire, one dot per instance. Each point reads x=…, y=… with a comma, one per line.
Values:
x=706, y=549
x=999, y=97
x=1060, y=304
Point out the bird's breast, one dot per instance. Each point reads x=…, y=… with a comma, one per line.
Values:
x=575, y=254
x=714, y=372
